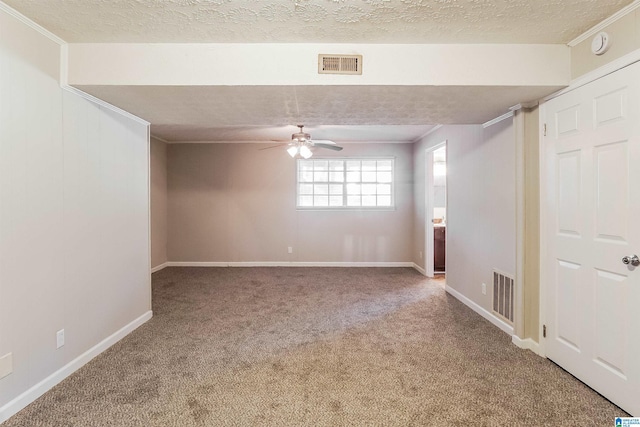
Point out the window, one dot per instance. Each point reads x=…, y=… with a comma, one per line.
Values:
x=345, y=183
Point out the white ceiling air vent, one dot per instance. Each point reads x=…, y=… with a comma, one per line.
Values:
x=339, y=64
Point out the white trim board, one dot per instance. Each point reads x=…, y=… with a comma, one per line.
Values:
x=498, y=119
x=289, y=264
x=481, y=311
x=542, y=182
x=149, y=246
x=160, y=267
x=526, y=344
x=342, y=141
x=427, y=133
x=286, y=264
x=55, y=378
x=419, y=269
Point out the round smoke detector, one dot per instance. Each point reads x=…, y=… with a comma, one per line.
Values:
x=600, y=43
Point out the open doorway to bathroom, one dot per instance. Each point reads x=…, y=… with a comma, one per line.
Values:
x=436, y=210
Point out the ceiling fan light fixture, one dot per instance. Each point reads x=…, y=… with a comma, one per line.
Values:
x=293, y=150
x=302, y=145
x=305, y=152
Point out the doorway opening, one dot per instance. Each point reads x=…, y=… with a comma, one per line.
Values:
x=436, y=210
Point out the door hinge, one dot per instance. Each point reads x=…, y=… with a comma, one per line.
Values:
x=544, y=331
x=544, y=130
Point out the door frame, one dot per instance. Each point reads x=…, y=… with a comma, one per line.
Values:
x=544, y=213
x=429, y=199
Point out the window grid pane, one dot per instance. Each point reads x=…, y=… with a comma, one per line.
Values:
x=339, y=183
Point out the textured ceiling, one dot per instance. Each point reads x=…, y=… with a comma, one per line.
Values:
x=306, y=21
x=239, y=113
x=219, y=113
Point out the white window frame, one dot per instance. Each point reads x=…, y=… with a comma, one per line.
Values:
x=392, y=206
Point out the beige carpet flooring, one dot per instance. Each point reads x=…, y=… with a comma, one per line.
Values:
x=314, y=347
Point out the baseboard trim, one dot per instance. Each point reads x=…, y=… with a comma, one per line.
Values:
x=287, y=264
x=481, y=311
x=526, y=344
x=419, y=269
x=24, y=399
x=160, y=267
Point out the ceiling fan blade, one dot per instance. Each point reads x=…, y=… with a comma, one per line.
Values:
x=273, y=146
x=329, y=146
x=323, y=141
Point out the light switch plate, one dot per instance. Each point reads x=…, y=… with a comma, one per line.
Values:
x=60, y=338
x=6, y=365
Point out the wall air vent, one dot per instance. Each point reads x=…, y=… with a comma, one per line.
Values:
x=503, y=295
x=339, y=64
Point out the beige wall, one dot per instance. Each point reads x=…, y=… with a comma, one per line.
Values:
x=480, y=204
x=158, y=166
x=74, y=239
x=237, y=203
x=625, y=38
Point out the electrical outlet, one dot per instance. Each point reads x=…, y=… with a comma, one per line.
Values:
x=60, y=338
x=290, y=249
x=484, y=289
x=6, y=365
x=420, y=254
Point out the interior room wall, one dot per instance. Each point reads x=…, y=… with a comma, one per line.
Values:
x=158, y=166
x=624, y=36
x=480, y=204
x=74, y=251
x=237, y=203
x=448, y=134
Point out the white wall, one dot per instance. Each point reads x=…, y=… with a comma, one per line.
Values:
x=480, y=204
x=236, y=203
x=74, y=240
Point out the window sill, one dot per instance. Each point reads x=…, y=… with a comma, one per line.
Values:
x=342, y=209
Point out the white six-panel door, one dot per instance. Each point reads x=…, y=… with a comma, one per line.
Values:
x=591, y=211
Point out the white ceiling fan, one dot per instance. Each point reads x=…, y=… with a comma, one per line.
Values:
x=301, y=144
